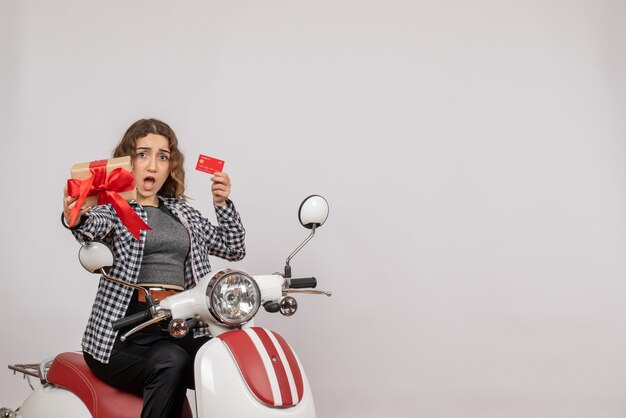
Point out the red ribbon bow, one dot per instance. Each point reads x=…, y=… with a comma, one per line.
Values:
x=107, y=188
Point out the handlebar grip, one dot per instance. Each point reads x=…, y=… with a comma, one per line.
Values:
x=131, y=320
x=192, y=323
x=303, y=283
x=271, y=306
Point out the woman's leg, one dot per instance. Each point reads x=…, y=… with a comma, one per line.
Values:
x=158, y=371
x=191, y=346
x=166, y=382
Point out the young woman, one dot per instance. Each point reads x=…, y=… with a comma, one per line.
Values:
x=170, y=257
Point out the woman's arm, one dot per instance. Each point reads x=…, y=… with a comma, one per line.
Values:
x=95, y=225
x=227, y=239
x=92, y=223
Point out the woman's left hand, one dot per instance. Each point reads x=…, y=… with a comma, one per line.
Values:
x=220, y=188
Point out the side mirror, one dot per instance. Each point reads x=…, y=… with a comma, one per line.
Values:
x=95, y=256
x=313, y=212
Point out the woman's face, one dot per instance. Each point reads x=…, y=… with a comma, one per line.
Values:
x=151, y=167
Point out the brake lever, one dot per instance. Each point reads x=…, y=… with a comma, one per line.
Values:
x=311, y=292
x=161, y=315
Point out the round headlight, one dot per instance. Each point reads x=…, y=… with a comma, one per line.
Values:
x=233, y=297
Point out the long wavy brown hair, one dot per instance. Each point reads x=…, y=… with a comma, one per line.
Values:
x=174, y=186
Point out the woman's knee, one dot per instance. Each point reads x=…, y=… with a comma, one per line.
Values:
x=171, y=361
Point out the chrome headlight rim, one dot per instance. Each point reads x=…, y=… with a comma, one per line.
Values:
x=213, y=285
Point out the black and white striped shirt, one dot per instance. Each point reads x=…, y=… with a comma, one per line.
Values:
x=226, y=240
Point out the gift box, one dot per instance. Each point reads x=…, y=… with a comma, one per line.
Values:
x=82, y=171
x=106, y=182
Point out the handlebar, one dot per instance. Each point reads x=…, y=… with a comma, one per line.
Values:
x=131, y=320
x=303, y=283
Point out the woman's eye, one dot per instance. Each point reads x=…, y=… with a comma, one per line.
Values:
x=164, y=157
x=142, y=154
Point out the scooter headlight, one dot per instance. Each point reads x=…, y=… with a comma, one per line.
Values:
x=233, y=297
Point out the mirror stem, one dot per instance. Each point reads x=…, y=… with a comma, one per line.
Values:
x=287, y=266
x=149, y=300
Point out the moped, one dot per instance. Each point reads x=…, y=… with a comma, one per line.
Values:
x=244, y=371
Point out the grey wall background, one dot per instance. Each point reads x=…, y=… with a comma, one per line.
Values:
x=472, y=153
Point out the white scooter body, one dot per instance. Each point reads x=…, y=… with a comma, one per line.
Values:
x=220, y=382
x=222, y=391
x=53, y=401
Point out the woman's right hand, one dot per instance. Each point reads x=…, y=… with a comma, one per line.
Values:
x=68, y=204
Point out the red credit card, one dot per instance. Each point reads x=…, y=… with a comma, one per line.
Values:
x=209, y=164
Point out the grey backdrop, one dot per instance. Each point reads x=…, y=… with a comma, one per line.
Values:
x=472, y=153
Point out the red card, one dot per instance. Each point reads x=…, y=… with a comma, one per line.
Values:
x=209, y=164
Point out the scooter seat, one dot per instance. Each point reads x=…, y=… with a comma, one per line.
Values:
x=70, y=371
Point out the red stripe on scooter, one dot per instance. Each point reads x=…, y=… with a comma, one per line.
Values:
x=279, y=368
x=293, y=364
x=250, y=364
